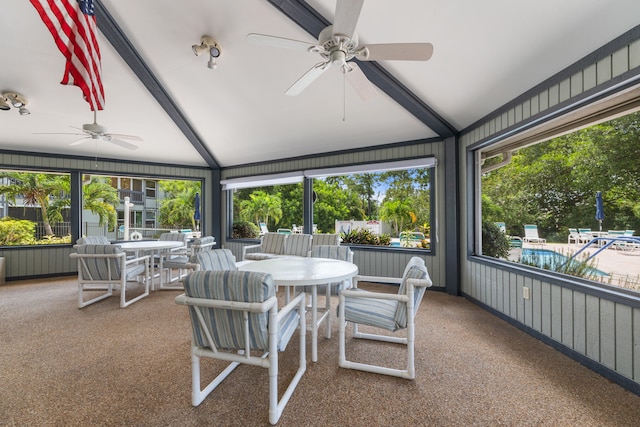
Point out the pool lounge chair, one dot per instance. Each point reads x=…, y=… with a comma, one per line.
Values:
x=531, y=234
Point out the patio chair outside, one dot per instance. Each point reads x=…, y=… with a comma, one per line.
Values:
x=531, y=234
x=235, y=318
x=392, y=312
x=585, y=235
x=104, y=267
x=574, y=236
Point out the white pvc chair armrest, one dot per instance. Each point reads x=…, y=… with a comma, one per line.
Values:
x=374, y=295
x=76, y=255
x=420, y=283
x=246, y=249
x=138, y=259
x=293, y=304
x=253, y=307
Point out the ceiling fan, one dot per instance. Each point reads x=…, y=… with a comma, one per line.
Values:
x=338, y=45
x=94, y=131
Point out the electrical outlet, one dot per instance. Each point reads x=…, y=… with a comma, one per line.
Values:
x=526, y=292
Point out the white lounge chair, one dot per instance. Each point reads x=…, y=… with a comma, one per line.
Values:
x=531, y=234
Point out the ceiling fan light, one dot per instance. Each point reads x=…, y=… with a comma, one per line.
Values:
x=3, y=104
x=212, y=64
x=23, y=111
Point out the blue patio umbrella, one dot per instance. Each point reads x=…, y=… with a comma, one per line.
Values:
x=599, y=208
x=196, y=213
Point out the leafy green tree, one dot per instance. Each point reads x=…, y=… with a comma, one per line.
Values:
x=178, y=206
x=261, y=206
x=396, y=211
x=101, y=198
x=335, y=202
x=42, y=190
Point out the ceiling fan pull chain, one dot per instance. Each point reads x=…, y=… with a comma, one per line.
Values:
x=344, y=97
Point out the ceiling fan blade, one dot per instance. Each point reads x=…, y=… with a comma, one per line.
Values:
x=274, y=41
x=80, y=141
x=308, y=78
x=123, y=144
x=347, y=14
x=58, y=133
x=359, y=81
x=396, y=51
x=123, y=136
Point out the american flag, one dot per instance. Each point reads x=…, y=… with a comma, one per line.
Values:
x=72, y=24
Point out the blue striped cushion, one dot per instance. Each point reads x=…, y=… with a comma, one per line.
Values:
x=326, y=239
x=216, y=259
x=226, y=326
x=98, y=268
x=273, y=243
x=370, y=311
x=197, y=244
x=93, y=240
x=173, y=237
x=415, y=269
x=297, y=244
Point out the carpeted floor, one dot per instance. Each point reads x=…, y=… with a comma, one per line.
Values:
x=102, y=365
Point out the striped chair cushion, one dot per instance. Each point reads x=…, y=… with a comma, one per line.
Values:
x=227, y=326
x=415, y=269
x=370, y=311
x=297, y=244
x=202, y=244
x=93, y=240
x=216, y=259
x=273, y=243
x=173, y=237
x=326, y=239
x=101, y=268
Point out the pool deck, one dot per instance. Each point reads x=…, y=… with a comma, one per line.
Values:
x=618, y=264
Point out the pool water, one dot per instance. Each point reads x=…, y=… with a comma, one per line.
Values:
x=547, y=257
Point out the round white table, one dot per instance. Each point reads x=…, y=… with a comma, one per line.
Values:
x=299, y=271
x=154, y=247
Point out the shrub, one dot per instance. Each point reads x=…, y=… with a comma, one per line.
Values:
x=363, y=236
x=245, y=230
x=494, y=242
x=15, y=232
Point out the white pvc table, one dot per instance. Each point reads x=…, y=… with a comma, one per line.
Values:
x=299, y=271
x=153, y=247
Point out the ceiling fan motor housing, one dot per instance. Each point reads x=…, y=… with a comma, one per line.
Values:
x=94, y=128
x=337, y=42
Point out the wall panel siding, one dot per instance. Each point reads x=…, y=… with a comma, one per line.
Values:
x=49, y=261
x=604, y=330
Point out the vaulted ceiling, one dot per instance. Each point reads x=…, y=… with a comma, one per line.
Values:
x=485, y=54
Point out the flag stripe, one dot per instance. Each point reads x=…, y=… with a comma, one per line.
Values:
x=74, y=32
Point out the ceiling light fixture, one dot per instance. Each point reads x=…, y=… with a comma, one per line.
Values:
x=16, y=100
x=208, y=44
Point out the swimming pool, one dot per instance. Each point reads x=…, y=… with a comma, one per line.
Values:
x=550, y=260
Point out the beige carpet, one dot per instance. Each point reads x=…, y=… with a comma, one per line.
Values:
x=102, y=365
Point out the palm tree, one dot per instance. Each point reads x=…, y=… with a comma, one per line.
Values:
x=396, y=211
x=261, y=206
x=178, y=207
x=101, y=198
x=43, y=190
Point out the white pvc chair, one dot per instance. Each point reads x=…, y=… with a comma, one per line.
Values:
x=174, y=259
x=103, y=267
x=392, y=312
x=235, y=318
x=215, y=259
